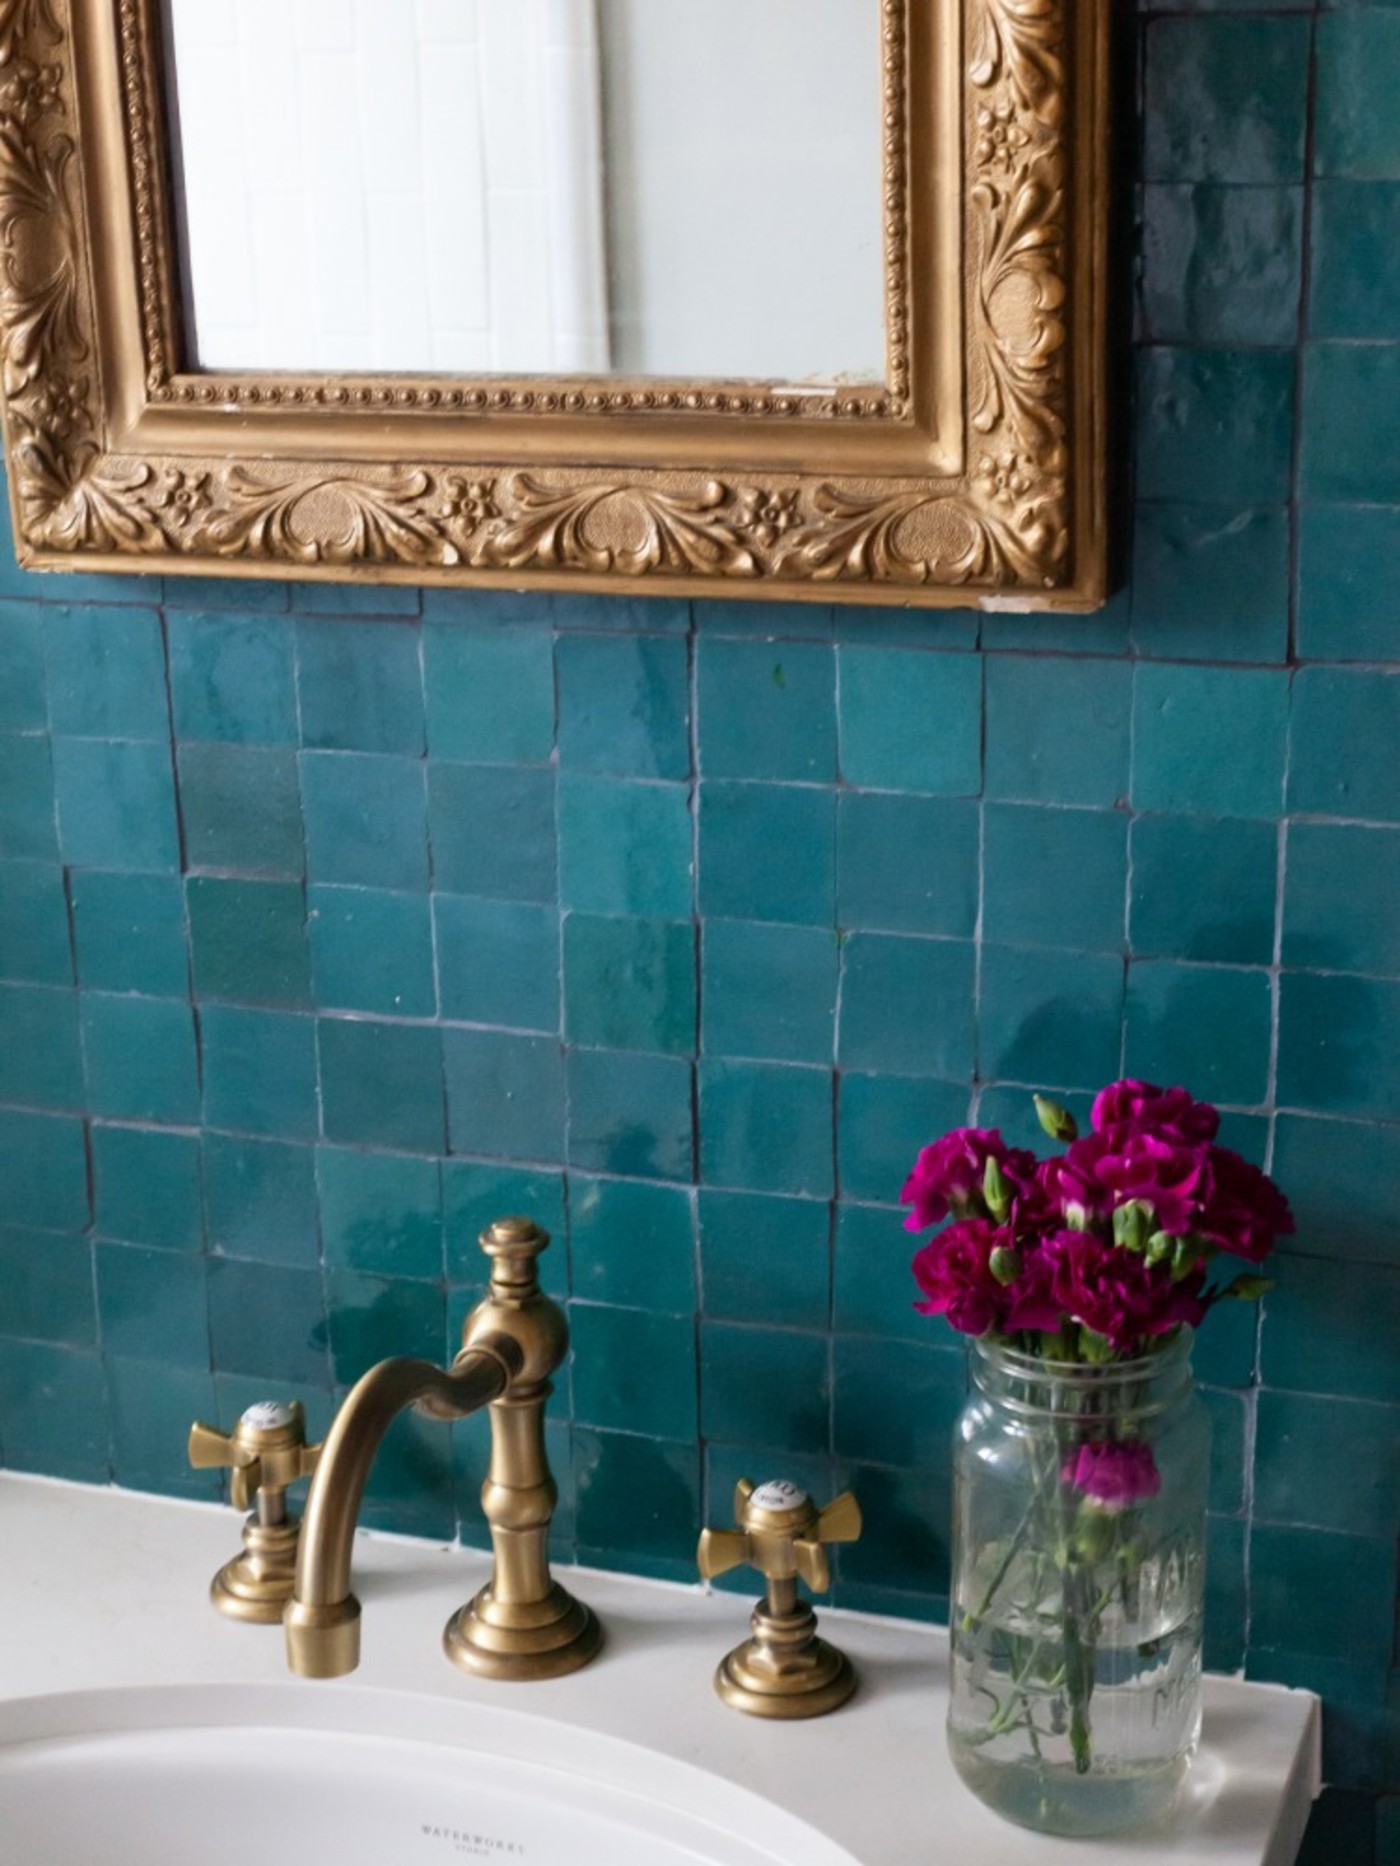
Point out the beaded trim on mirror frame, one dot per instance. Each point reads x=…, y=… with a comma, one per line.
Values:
x=1010, y=527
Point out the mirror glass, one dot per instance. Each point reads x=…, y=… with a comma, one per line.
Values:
x=685, y=188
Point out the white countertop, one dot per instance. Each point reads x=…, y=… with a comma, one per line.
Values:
x=103, y=1588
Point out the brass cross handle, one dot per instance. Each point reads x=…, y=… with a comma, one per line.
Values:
x=782, y=1533
x=266, y=1451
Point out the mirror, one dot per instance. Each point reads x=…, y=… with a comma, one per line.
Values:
x=559, y=187
x=785, y=299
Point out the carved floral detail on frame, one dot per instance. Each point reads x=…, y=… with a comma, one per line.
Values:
x=1007, y=528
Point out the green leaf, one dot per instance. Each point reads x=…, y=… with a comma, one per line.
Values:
x=1247, y=1289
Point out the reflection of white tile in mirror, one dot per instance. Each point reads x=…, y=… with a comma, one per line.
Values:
x=416, y=185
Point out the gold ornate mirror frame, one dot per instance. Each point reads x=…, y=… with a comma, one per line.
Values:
x=974, y=473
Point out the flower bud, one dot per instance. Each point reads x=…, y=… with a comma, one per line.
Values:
x=1184, y=1258
x=1130, y=1223
x=1247, y=1288
x=995, y=1190
x=1160, y=1246
x=1076, y=1217
x=1004, y=1264
x=1058, y=1122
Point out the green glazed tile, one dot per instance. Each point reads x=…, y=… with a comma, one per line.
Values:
x=1340, y=1178
x=624, y=708
x=1221, y=264
x=907, y=864
x=490, y=694
x=626, y=848
x=248, y=941
x=1347, y=552
x=382, y=1084
x=27, y=799
x=1360, y=1742
x=1335, y=710
x=217, y=593
x=882, y=1121
x=106, y=672
x=366, y=820
x=1226, y=99
x=259, y=1071
x=498, y=961
x=911, y=1552
x=632, y=1244
x=1043, y=632
x=634, y=1370
x=907, y=1005
x=1299, y=1476
x=493, y=831
x=766, y=1127
x=116, y=804
x=1339, y=1045
x=354, y=599
x=23, y=699
x=1176, y=1016
x=872, y=625
x=153, y=1300
x=1052, y=1020
x=474, y=1195
x=765, y=1258
x=630, y=1114
x=360, y=686
x=1211, y=583
x=1355, y=274
x=40, y=1057
x=1319, y=1321
x=129, y=931
x=1341, y=901
x=1226, y=1613
x=1226, y=1412
x=1358, y=65
x=505, y=1094
x=767, y=710
x=146, y=1186
x=267, y=1321
x=152, y=1406
x=1209, y=740
x=53, y=1411
x=911, y=721
x=1054, y=878
x=630, y=984
x=34, y=942
x=1231, y=922
x=261, y=1200
x=896, y=1401
x=380, y=1212
x=769, y=991
x=43, y=1168
x=1057, y=731
x=764, y=1383
x=503, y=609
x=1215, y=425
x=768, y=852
x=372, y=951
x=241, y=808
x=1296, y=1602
x=410, y=1489
x=625, y=615
x=638, y=1503
x=374, y=1317
x=141, y=1061
x=1343, y=385
x=873, y=1289
x=47, y=1280
x=232, y=678
x=768, y=621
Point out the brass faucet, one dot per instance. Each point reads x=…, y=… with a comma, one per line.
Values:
x=522, y=1624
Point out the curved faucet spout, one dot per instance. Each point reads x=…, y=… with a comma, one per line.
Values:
x=323, y=1617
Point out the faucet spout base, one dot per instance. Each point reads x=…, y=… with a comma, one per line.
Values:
x=520, y=1641
x=323, y=1642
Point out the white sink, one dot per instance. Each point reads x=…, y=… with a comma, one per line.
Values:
x=216, y=1775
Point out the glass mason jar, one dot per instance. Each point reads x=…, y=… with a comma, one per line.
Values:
x=1078, y=1572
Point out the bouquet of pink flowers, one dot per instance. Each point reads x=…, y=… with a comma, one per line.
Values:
x=1089, y=1255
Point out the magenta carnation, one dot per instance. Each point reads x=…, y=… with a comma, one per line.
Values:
x=1171, y=1178
x=954, y=1270
x=1246, y=1211
x=1114, y=1474
x=1170, y=1114
x=1118, y=1294
x=949, y=1173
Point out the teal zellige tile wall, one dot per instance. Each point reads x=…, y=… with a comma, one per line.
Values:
x=334, y=923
